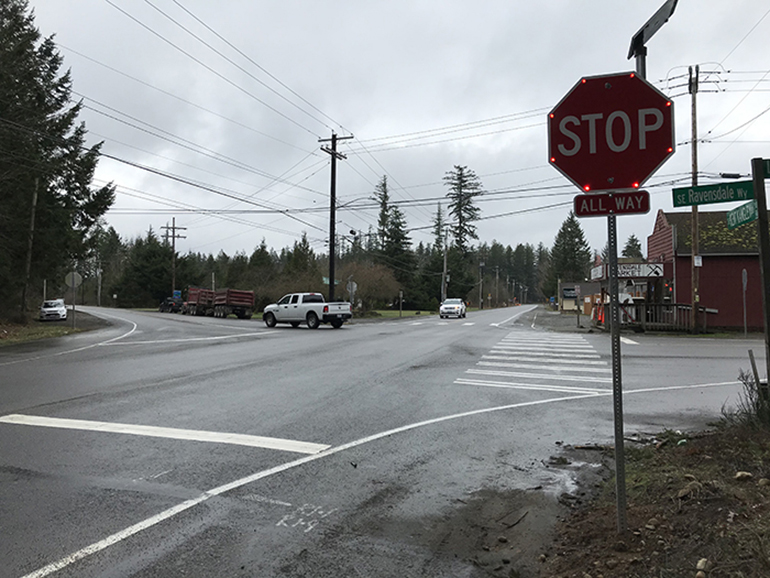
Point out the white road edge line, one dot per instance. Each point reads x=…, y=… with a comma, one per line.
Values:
x=108, y=341
x=178, y=509
x=167, y=432
x=190, y=339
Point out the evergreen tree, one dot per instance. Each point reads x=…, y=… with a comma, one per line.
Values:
x=146, y=279
x=382, y=196
x=570, y=255
x=45, y=169
x=543, y=268
x=633, y=248
x=301, y=259
x=439, y=230
x=463, y=186
x=394, y=245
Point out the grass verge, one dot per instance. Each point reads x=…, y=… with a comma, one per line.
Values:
x=12, y=333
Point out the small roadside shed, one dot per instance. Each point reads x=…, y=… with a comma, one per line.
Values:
x=724, y=255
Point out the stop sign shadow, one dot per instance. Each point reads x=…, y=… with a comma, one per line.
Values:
x=611, y=132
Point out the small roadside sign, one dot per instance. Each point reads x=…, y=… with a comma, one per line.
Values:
x=746, y=213
x=73, y=279
x=603, y=204
x=716, y=193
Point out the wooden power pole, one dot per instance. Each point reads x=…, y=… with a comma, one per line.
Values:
x=333, y=203
x=174, y=236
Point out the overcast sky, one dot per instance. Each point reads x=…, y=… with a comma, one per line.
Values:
x=421, y=85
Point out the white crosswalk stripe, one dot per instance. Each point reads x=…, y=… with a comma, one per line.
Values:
x=537, y=361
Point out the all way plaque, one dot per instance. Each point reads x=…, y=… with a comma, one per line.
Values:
x=603, y=204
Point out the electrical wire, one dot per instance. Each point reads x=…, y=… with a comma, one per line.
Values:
x=210, y=69
x=247, y=57
x=246, y=72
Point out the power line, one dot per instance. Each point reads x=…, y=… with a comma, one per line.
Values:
x=239, y=51
x=179, y=98
x=207, y=67
x=199, y=39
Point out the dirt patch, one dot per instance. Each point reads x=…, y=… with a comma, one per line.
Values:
x=697, y=507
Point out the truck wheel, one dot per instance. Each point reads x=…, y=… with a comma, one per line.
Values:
x=336, y=323
x=269, y=319
x=312, y=321
x=295, y=324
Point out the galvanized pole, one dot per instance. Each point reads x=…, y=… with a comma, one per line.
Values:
x=617, y=376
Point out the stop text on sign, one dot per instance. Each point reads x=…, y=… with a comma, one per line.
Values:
x=618, y=130
x=603, y=204
x=611, y=133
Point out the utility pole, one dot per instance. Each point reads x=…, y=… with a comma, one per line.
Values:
x=173, y=228
x=497, y=286
x=695, y=271
x=30, y=237
x=333, y=203
x=481, y=282
x=443, y=277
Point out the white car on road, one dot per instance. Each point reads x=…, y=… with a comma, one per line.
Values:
x=452, y=307
x=53, y=309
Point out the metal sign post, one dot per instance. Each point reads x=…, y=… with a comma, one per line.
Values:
x=590, y=142
x=617, y=376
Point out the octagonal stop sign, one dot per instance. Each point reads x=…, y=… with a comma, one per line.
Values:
x=611, y=133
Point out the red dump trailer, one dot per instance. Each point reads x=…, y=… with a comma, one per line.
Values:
x=236, y=301
x=199, y=302
x=219, y=303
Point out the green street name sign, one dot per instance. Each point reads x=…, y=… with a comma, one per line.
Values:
x=717, y=193
x=746, y=213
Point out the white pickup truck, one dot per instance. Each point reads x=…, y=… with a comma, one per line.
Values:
x=308, y=308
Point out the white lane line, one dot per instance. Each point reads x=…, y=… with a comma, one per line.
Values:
x=544, y=368
x=589, y=379
x=173, y=511
x=467, y=324
x=190, y=339
x=504, y=357
x=530, y=386
x=108, y=341
x=549, y=354
x=628, y=341
x=517, y=315
x=178, y=509
x=167, y=432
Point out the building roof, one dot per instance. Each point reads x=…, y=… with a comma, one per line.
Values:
x=714, y=236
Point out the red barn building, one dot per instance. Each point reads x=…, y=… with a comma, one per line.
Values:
x=725, y=254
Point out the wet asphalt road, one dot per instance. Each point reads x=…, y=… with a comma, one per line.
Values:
x=343, y=433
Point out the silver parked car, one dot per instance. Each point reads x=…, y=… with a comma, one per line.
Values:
x=452, y=307
x=53, y=310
